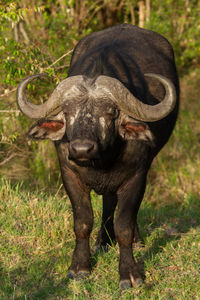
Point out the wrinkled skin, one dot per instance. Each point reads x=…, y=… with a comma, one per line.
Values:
x=101, y=148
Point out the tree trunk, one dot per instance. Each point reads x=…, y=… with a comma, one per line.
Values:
x=132, y=12
x=62, y=5
x=148, y=10
x=23, y=32
x=141, y=13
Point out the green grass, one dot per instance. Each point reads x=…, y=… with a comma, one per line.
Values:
x=37, y=239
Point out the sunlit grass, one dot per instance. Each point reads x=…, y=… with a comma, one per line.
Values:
x=37, y=241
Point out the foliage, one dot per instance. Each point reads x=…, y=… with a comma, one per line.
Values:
x=35, y=34
x=179, y=22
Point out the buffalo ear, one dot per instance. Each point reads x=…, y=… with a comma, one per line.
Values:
x=52, y=129
x=131, y=129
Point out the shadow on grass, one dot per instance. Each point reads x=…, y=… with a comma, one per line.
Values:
x=37, y=278
x=164, y=224
x=38, y=281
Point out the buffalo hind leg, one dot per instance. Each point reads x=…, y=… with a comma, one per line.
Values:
x=106, y=235
x=137, y=239
x=129, y=199
x=79, y=196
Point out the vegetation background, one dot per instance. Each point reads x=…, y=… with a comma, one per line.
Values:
x=36, y=230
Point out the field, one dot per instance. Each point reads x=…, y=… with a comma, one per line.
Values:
x=37, y=239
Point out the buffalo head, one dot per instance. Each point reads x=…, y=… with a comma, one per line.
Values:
x=91, y=114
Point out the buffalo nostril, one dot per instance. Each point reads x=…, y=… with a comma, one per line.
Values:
x=82, y=149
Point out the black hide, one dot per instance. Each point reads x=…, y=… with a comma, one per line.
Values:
x=113, y=162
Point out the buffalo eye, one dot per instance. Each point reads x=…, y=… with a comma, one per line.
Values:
x=112, y=113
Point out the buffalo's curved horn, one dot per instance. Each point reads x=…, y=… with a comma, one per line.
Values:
x=133, y=106
x=64, y=90
x=29, y=109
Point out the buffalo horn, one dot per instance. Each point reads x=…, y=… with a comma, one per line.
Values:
x=111, y=87
x=29, y=109
x=67, y=86
x=133, y=106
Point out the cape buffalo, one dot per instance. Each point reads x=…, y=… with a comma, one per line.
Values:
x=108, y=119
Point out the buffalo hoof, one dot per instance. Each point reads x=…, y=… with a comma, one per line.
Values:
x=127, y=284
x=82, y=275
x=71, y=274
x=138, y=282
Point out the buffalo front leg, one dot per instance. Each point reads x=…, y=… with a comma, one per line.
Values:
x=129, y=199
x=79, y=195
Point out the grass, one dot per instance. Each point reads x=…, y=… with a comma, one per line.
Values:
x=37, y=240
